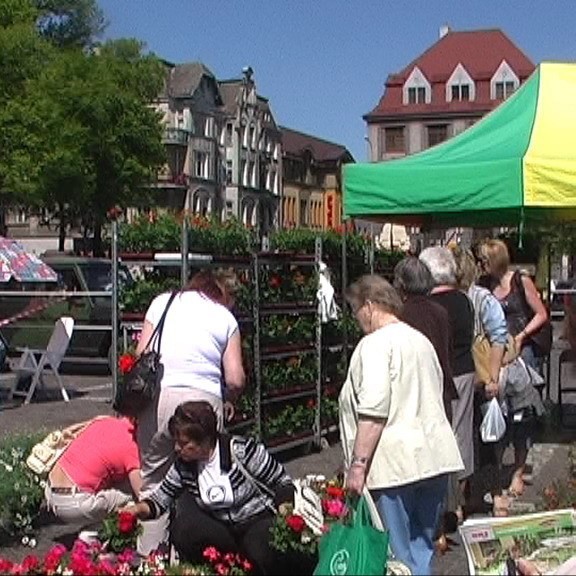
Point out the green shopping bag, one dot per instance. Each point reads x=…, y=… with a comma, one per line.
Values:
x=353, y=549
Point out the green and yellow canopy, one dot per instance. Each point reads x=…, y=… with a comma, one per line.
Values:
x=516, y=164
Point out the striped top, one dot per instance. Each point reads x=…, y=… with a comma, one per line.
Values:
x=249, y=501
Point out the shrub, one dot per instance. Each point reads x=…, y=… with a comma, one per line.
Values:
x=21, y=491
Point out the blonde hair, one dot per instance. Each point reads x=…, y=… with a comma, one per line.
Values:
x=497, y=257
x=466, y=272
x=375, y=289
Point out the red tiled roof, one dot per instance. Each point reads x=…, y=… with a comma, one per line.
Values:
x=295, y=143
x=480, y=52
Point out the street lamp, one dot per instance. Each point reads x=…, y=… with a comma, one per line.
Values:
x=371, y=157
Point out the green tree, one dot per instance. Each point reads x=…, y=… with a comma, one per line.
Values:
x=70, y=23
x=103, y=140
x=23, y=54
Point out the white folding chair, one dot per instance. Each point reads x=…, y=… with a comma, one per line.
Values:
x=49, y=359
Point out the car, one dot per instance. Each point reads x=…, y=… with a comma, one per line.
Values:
x=92, y=335
x=561, y=300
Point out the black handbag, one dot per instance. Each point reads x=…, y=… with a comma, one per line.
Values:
x=140, y=387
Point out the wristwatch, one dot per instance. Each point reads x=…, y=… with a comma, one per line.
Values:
x=359, y=461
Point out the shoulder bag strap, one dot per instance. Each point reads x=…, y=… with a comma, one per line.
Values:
x=158, y=329
x=519, y=284
x=263, y=491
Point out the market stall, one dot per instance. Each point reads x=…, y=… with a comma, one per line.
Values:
x=517, y=164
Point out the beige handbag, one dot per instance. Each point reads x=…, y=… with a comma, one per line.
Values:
x=46, y=453
x=481, y=356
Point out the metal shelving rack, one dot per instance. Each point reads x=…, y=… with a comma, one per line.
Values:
x=269, y=353
x=261, y=353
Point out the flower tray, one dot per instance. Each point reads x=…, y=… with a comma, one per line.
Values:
x=132, y=316
x=289, y=392
x=279, y=440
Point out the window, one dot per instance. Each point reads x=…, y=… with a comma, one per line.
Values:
x=244, y=170
x=504, y=90
x=394, y=139
x=252, y=174
x=417, y=95
x=200, y=164
x=252, y=137
x=437, y=133
x=228, y=171
x=229, y=130
x=209, y=127
x=303, y=213
x=461, y=92
x=229, y=209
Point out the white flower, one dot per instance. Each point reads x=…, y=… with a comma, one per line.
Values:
x=32, y=543
x=43, y=484
x=25, y=540
x=306, y=538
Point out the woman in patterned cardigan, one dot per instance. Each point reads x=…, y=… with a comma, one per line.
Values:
x=230, y=488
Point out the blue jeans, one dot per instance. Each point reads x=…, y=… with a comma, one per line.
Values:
x=411, y=514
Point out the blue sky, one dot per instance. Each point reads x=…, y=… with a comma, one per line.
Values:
x=323, y=63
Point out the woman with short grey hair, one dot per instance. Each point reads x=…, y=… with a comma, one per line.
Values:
x=396, y=439
x=443, y=268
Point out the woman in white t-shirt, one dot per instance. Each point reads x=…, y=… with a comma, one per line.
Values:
x=200, y=352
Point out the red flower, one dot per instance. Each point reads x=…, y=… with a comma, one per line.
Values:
x=222, y=569
x=211, y=554
x=30, y=564
x=53, y=558
x=5, y=566
x=335, y=492
x=295, y=522
x=126, y=362
x=127, y=522
x=275, y=281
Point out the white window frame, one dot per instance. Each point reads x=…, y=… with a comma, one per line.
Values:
x=416, y=79
x=460, y=77
x=503, y=74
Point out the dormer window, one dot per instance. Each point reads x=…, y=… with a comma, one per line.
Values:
x=460, y=92
x=503, y=90
x=460, y=87
x=417, y=89
x=504, y=82
x=416, y=95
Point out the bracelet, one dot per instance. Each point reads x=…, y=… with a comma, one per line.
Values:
x=359, y=461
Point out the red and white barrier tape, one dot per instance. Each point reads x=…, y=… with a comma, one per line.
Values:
x=31, y=311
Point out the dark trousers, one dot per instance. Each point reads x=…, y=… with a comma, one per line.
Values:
x=193, y=530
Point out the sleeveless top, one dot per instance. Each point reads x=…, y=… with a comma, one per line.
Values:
x=514, y=306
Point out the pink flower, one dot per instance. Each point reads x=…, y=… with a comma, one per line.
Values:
x=334, y=508
x=211, y=554
x=54, y=557
x=222, y=569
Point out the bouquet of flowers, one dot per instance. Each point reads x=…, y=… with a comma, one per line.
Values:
x=119, y=531
x=290, y=531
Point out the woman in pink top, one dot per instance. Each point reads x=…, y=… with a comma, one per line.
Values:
x=84, y=483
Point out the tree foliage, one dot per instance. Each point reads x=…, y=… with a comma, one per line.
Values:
x=70, y=23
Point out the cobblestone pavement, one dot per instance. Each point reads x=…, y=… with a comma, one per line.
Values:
x=91, y=396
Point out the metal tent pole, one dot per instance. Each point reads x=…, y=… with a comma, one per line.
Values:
x=114, y=345
x=184, y=253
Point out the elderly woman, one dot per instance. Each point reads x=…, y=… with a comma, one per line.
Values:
x=489, y=320
x=460, y=312
x=525, y=313
x=396, y=438
x=232, y=484
x=414, y=282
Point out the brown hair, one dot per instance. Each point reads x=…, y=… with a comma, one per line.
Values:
x=195, y=421
x=375, y=289
x=219, y=285
x=497, y=257
x=466, y=271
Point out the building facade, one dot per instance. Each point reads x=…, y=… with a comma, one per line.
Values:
x=251, y=151
x=224, y=156
x=445, y=90
x=448, y=88
x=312, y=195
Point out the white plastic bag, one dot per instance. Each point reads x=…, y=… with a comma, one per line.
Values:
x=493, y=425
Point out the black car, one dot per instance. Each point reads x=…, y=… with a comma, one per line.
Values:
x=92, y=334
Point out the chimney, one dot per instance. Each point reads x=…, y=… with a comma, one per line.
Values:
x=444, y=30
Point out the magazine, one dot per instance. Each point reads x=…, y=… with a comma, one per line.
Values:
x=493, y=545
